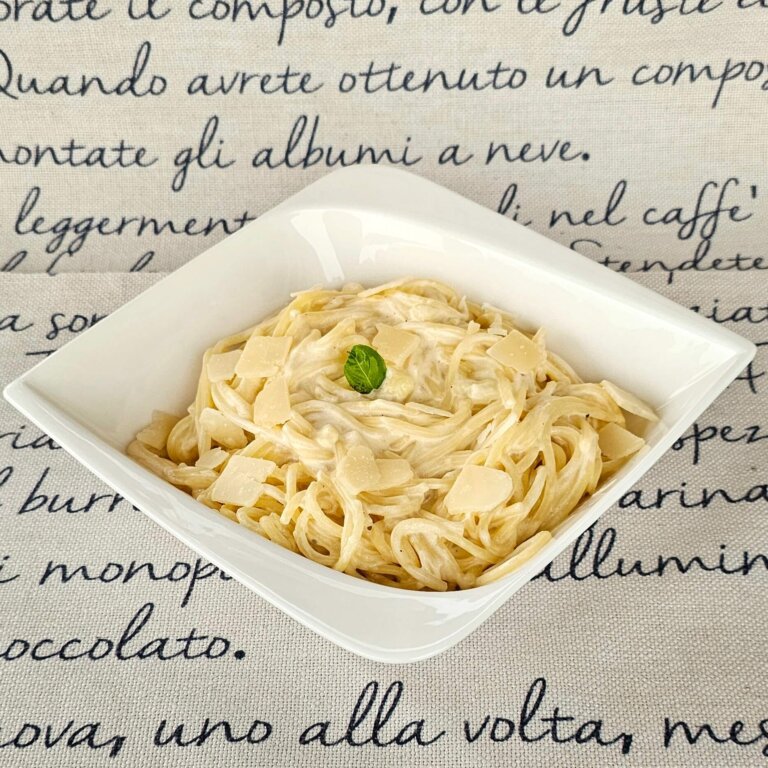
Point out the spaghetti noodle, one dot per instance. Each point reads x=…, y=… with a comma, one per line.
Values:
x=450, y=475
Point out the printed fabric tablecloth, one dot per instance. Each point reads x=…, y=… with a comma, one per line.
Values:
x=135, y=134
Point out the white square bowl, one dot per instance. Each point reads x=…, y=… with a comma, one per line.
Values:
x=368, y=225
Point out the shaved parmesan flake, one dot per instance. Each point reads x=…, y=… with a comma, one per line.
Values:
x=221, y=429
x=629, y=402
x=616, y=442
x=397, y=386
x=478, y=489
x=273, y=404
x=263, y=356
x=393, y=472
x=155, y=435
x=637, y=425
x=358, y=470
x=212, y=459
x=518, y=352
x=394, y=345
x=242, y=480
x=222, y=367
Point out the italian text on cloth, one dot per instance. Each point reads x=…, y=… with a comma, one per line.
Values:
x=136, y=134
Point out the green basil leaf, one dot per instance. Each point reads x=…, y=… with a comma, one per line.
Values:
x=365, y=369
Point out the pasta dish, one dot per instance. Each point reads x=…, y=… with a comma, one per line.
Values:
x=400, y=434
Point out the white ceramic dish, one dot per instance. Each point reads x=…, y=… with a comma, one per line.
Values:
x=367, y=225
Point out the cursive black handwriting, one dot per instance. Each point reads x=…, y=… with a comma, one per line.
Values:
x=699, y=434
x=689, y=73
x=73, y=154
x=283, y=12
x=285, y=82
x=394, y=78
x=37, y=500
x=365, y=727
x=5, y=576
x=54, y=12
x=709, y=210
x=48, y=736
x=131, y=643
x=592, y=556
x=701, y=498
x=14, y=323
x=207, y=154
x=732, y=734
x=257, y=732
x=68, y=234
x=592, y=217
x=558, y=728
x=113, y=572
x=138, y=83
x=702, y=262
x=304, y=149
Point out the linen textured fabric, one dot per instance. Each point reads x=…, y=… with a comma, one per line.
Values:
x=664, y=182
